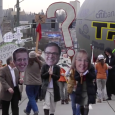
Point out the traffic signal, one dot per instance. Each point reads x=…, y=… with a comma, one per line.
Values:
x=52, y=23
x=33, y=25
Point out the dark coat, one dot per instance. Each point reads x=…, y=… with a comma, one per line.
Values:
x=111, y=73
x=112, y=62
x=90, y=76
x=45, y=81
x=7, y=82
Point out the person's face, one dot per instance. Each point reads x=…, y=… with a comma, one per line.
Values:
x=21, y=61
x=107, y=53
x=52, y=55
x=81, y=62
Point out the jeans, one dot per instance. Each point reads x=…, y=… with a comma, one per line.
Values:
x=101, y=84
x=76, y=110
x=63, y=90
x=32, y=91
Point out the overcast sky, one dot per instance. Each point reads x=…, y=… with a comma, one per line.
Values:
x=33, y=5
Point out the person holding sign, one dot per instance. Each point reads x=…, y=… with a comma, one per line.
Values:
x=84, y=75
x=10, y=93
x=50, y=74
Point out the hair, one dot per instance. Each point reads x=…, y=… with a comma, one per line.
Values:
x=53, y=44
x=9, y=60
x=73, y=65
x=101, y=61
x=32, y=60
x=19, y=50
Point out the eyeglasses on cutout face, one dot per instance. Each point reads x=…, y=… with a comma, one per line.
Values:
x=51, y=53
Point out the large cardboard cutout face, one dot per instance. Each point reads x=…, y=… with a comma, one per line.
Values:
x=20, y=57
x=51, y=55
x=81, y=62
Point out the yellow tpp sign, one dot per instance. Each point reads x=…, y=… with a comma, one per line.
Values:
x=104, y=25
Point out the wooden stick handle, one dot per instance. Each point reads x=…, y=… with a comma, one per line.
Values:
x=49, y=78
x=37, y=41
x=81, y=79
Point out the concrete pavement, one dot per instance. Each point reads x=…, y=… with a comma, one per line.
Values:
x=105, y=108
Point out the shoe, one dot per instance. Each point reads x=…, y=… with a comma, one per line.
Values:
x=26, y=112
x=109, y=98
x=46, y=111
x=104, y=99
x=86, y=111
x=62, y=101
x=51, y=114
x=66, y=101
x=36, y=113
x=99, y=101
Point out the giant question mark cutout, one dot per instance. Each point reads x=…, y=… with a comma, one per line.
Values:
x=70, y=16
x=1, y=39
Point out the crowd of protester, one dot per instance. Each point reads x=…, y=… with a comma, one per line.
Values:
x=84, y=83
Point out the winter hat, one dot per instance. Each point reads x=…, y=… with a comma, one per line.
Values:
x=100, y=57
x=32, y=54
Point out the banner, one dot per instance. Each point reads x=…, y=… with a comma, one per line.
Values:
x=6, y=51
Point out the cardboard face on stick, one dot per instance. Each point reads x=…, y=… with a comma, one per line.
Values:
x=81, y=62
x=20, y=58
x=52, y=54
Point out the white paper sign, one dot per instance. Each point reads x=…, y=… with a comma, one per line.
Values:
x=6, y=51
x=9, y=37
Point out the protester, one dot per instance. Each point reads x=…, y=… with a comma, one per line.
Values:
x=71, y=87
x=50, y=75
x=110, y=84
x=101, y=70
x=84, y=75
x=32, y=80
x=63, y=87
x=20, y=58
x=10, y=93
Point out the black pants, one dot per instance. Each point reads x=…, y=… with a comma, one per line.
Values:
x=110, y=85
x=14, y=104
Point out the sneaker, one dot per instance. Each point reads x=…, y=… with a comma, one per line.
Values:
x=66, y=101
x=104, y=99
x=36, y=113
x=99, y=101
x=26, y=112
x=62, y=101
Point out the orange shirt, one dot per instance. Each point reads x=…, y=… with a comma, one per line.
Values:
x=101, y=71
x=62, y=78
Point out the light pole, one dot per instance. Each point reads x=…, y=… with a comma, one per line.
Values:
x=18, y=12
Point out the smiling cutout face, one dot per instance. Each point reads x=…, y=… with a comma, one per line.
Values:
x=21, y=61
x=81, y=62
x=51, y=55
